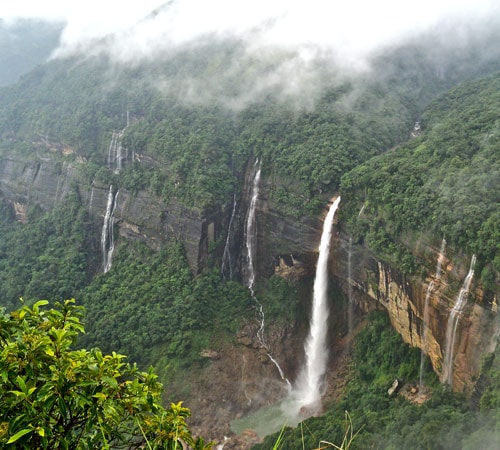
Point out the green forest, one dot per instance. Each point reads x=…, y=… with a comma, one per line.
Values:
x=445, y=182
x=152, y=307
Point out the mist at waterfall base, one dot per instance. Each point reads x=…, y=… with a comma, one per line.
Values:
x=304, y=399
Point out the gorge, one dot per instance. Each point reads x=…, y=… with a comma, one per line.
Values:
x=191, y=235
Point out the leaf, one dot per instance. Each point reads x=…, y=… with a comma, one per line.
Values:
x=39, y=303
x=18, y=435
x=111, y=381
x=21, y=383
x=100, y=396
x=18, y=393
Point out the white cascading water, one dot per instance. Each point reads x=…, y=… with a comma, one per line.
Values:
x=309, y=389
x=251, y=230
x=91, y=200
x=451, y=329
x=107, y=237
x=226, y=256
x=113, y=151
x=249, y=270
x=425, y=327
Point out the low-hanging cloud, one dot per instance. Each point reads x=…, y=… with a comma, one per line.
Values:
x=287, y=37
x=352, y=30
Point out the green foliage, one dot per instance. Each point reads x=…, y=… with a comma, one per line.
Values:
x=52, y=255
x=445, y=182
x=54, y=397
x=280, y=299
x=149, y=304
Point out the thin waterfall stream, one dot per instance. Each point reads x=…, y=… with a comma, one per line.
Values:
x=249, y=269
x=226, y=256
x=451, y=329
x=107, y=232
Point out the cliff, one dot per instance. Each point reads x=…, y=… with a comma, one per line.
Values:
x=374, y=282
x=45, y=181
x=286, y=247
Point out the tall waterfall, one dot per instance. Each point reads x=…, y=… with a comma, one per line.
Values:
x=107, y=237
x=117, y=154
x=430, y=289
x=309, y=389
x=226, y=256
x=249, y=269
x=451, y=330
x=251, y=230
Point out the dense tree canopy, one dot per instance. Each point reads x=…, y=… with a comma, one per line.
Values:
x=445, y=183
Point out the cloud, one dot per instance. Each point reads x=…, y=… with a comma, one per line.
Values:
x=351, y=30
x=284, y=39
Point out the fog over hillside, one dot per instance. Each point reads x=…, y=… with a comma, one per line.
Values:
x=248, y=48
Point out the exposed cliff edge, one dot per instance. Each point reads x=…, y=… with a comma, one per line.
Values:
x=404, y=299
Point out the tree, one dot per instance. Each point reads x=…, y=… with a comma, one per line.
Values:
x=54, y=397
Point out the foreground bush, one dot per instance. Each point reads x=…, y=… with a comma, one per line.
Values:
x=53, y=397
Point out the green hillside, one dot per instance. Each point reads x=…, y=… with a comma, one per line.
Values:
x=353, y=136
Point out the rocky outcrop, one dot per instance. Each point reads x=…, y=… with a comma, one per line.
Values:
x=404, y=299
x=42, y=181
x=287, y=244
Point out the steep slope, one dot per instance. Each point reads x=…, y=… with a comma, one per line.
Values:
x=434, y=201
x=171, y=176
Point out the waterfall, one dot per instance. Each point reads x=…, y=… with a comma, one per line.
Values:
x=107, y=238
x=91, y=200
x=310, y=384
x=425, y=327
x=226, y=256
x=251, y=230
x=115, y=152
x=451, y=330
x=119, y=157
x=249, y=270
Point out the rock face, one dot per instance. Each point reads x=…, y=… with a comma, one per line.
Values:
x=138, y=217
x=404, y=299
x=287, y=247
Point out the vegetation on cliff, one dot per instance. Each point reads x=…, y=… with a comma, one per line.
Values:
x=445, y=183
x=195, y=151
x=200, y=147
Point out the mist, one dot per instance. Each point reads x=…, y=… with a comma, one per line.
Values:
x=252, y=48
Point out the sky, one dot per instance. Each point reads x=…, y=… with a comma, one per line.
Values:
x=353, y=28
